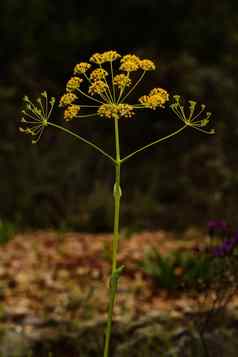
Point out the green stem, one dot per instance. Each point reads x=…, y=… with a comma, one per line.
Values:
x=108, y=92
x=153, y=143
x=89, y=96
x=134, y=86
x=94, y=146
x=115, y=274
x=112, y=79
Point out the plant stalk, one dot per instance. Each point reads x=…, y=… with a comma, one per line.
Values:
x=94, y=146
x=164, y=138
x=115, y=272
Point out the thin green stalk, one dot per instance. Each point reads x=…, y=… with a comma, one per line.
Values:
x=94, y=146
x=122, y=89
x=108, y=92
x=112, y=79
x=87, y=115
x=115, y=274
x=89, y=96
x=153, y=143
x=134, y=86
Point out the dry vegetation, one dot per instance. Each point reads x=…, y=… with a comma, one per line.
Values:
x=50, y=275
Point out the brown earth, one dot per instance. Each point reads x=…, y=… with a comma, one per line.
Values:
x=61, y=276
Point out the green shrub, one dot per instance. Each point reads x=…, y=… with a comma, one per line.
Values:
x=7, y=231
x=176, y=269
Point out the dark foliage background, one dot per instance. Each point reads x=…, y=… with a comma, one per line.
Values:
x=61, y=182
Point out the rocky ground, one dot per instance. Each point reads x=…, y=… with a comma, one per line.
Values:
x=57, y=275
x=51, y=279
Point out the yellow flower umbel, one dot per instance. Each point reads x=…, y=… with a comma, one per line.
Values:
x=130, y=63
x=98, y=74
x=81, y=68
x=73, y=84
x=196, y=120
x=98, y=87
x=71, y=112
x=67, y=99
x=147, y=65
x=122, y=81
x=36, y=116
x=116, y=110
x=156, y=98
x=105, y=83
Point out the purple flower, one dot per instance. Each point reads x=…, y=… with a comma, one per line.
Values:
x=225, y=248
x=228, y=245
x=218, y=252
x=235, y=239
x=218, y=227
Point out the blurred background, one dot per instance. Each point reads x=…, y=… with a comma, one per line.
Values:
x=61, y=183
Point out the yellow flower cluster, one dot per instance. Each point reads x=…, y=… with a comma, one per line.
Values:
x=113, y=110
x=73, y=84
x=147, y=65
x=98, y=74
x=156, y=98
x=107, y=56
x=110, y=56
x=130, y=57
x=97, y=87
x=67, y=99
x=130, y=63
x=71, y=112
x=162, y=92
x=97, y=58
x=110, y=85
x=82, y=67
x=122, y=81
